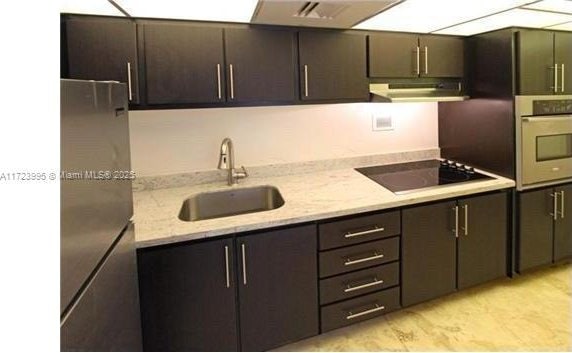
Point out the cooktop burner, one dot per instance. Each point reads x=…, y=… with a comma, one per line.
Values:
x=406, y=177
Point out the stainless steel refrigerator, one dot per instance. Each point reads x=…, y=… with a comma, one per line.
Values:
x=99, y=299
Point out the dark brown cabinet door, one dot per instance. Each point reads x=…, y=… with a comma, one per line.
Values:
x=277, y=287
x=394, y=55
x=441, y=56
x=535, y=62
x=188, y=297
x=332, y=66
x=428, y=252
x=103, y=49
x=263, y=65
x=563, y=58
x=184, y=63
x=563, y=225
x=481, y=246
x=535, y=223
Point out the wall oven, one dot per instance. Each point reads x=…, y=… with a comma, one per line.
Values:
x=543, y=140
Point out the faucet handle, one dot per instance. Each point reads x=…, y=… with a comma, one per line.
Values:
x=244, y=172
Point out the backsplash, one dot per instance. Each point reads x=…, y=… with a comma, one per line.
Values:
x=182, y=141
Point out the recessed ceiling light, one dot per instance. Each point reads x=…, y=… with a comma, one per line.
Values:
x=552, y=5
x=426, y=16
x=208, y=10
x=516, y=17
x=92, y=7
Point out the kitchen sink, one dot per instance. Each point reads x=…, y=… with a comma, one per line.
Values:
x=230, y=202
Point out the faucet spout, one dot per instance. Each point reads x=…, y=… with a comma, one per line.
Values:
x=226, y=161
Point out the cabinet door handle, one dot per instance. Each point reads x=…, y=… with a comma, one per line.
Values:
x=243, y=263
x=554, y=214
x=227, y=267
x=305, y=80
x=375, y=256
x=562, y=204
x=562, y=78
x=231, y=81
x=365, y=232
x=555, y=78
x=466, y=225
x=375, y=282
x=370, y=311
x=219, y=89
x=456, y=229
x=426, y=60
x=418, y=67
x=129, y=81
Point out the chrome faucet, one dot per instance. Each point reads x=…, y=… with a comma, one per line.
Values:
x=226, y=161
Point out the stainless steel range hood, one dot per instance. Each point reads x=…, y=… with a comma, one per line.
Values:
x=417, y=92
x=325, y=13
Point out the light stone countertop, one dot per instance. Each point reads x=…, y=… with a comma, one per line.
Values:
x=308, y=197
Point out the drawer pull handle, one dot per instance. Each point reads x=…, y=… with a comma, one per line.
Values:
x=365, y=232
x=370, y=311
x=370, y=284
x=365, y=259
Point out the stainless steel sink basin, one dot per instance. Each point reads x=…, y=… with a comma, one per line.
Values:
x=230, y=203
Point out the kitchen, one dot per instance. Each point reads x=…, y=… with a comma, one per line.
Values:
x=334, y=176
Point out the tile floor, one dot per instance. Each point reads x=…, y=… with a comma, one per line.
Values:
x=532, y=312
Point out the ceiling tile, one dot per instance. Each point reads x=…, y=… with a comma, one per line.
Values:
x=426, y=16
x=553, y=5
x=92, y=7
x=207, y=10
x=517, y=17
x=562, y=26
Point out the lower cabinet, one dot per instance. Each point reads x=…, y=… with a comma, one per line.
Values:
x=252, y=292
x=452, y=244
x=277, y=287
x=258, y=291
x=359, y=268
x=544, y=226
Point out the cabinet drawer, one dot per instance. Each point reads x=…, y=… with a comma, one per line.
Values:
x=359, y=309
x=358, y=283
x=359, y=229
x=359, y=256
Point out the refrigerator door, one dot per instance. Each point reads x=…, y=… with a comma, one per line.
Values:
x=106, y=316
x=94, y=207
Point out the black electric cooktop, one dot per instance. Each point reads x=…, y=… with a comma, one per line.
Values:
x=407, y=177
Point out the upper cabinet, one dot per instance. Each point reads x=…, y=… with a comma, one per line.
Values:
x=261, y=65
x=332, y=66
x=403, y=55
x=544, y=62
x=188, y=63
x=184, y=63
x=101, y=49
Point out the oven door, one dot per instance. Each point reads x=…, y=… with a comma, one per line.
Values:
x=546, y=148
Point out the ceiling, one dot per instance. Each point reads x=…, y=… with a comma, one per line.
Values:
x=453, y=17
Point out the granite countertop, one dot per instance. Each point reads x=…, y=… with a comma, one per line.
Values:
x=308, y=197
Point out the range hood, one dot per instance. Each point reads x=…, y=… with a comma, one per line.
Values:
x=417, y=92
x=325, y=13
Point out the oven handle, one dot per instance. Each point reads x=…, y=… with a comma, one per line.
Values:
x=546, y=118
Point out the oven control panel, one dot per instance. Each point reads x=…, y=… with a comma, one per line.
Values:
x=555, y=106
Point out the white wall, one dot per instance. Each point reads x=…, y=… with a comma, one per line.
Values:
x=177, y=141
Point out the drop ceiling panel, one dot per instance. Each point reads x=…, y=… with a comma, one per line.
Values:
x=563, y=27
x=92, y=7
x=516, y=17
x=207, y=10
x=426, y=16
x=553, y=5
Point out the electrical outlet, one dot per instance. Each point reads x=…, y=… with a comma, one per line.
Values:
x=381, y=122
